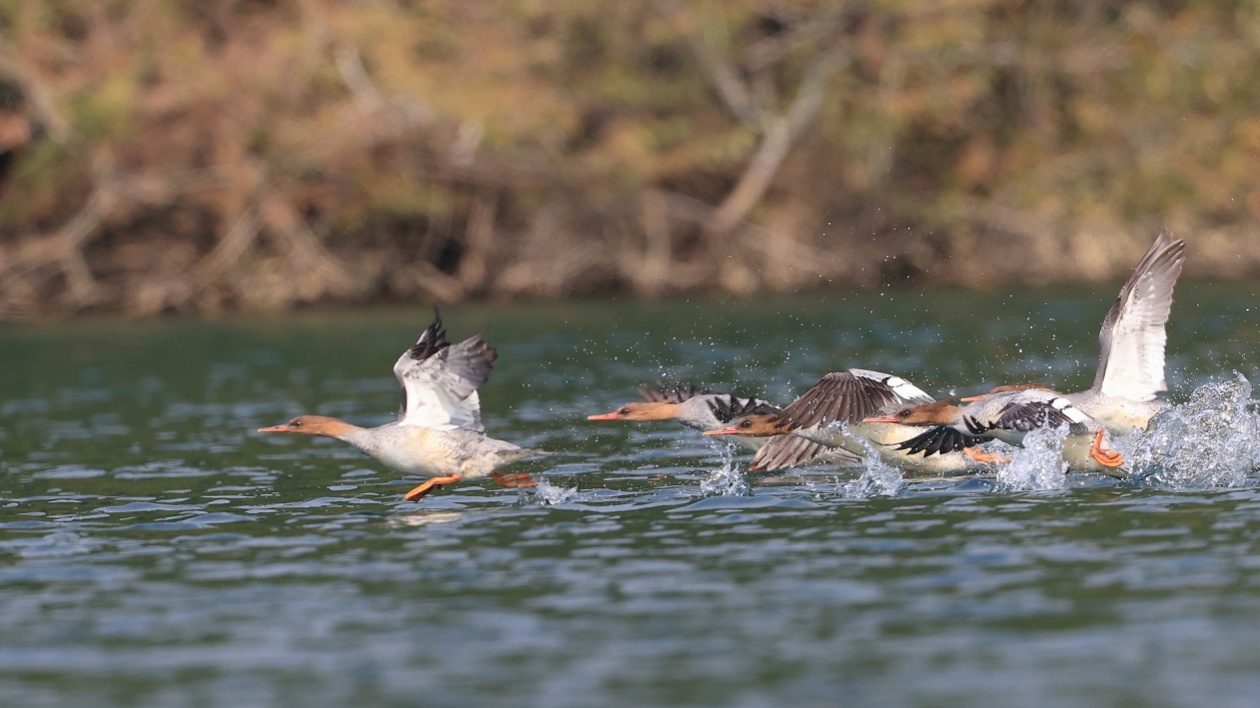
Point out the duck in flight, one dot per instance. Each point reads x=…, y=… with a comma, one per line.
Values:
x=834, y=413
x=706, y=411
x=438, y=433
x=1131, y=341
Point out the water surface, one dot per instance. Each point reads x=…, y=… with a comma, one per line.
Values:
x=155, y=551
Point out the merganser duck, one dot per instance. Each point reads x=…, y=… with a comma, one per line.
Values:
x=703, y=410
x=1007, y=416
x=438, y=433
x=692, y=406
x=1131, y=341
x=834, y=412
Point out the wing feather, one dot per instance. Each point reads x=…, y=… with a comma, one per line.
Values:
x=677, y=393
x=439, y=380
x=1133, y=337
x=848, y=397
x=791, y=450
x=939, y=439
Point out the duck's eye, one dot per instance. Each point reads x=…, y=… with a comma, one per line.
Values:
x=295, y=423
x=624, y=411
x=903, y=413
x=745, y=424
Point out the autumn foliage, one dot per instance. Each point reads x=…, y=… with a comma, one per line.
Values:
x=203, y=156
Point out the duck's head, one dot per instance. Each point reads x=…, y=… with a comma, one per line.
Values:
x=935, y=413
x=757, y=425
x=311, y=425
x=641, y=412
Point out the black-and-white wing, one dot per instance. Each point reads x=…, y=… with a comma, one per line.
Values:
x=939, y=439
x=677, y=393
x=1051, y=411
x=726, y=408
x=849, y=397
x=439, y=380
x=1133, y=337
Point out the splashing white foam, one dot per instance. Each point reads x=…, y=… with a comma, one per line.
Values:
x=1209, y=441
x=548, y=493
x=726, y=481
x=1038, y=465
x=877, y=478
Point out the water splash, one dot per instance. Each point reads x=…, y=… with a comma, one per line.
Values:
x=548, y=494
x=877, y=478
x=727, y=480
x=1208, y=441
x=1038, y=465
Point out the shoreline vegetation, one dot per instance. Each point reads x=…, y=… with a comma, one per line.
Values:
x=268, y=154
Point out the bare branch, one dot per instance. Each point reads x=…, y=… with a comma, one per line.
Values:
x=781, y=132
x=38, y=97
x=232, y=246
x=478, y=239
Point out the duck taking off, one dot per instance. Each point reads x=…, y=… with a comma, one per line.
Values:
x=1131, y=341
x=438, y=433
x=1007, y=416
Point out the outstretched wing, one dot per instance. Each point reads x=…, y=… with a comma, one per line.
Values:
x=1132, y=338
x=848, y=397
x=439, y=381
x=791, y=450
x=677, y=393
x=939, y=440
x=726, y=408
x=1051, y=412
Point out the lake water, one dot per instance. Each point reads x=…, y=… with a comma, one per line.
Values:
x=154, y=550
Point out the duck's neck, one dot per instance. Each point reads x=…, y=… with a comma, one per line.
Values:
x=362, y=438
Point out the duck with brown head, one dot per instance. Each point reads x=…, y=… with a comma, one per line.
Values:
x=438, y=433
x=832, y=413
x=703, y=410
x=1008, y=416
x=1130, y=373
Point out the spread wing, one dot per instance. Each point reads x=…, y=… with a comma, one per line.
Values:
x=1132, y=338
x=1051, y=411
x=729, y=407
x=792, y=450
x=939, y=440
x=677, y=393
x=848, y=397
x=439, y=381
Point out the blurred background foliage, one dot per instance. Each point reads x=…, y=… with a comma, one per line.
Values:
x=162, y=156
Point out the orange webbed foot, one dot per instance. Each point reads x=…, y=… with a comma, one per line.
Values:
x=513, y=480
x=429, y=486
x=986, y=457
x=1106, y=458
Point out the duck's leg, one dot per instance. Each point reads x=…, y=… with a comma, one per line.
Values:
x=522, y=479
x=430, y=485
x=1106, y=458
x=975, y=454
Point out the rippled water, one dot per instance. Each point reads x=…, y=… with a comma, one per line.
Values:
x=155, y=551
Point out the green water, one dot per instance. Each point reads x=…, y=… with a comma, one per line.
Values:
x=155, y=551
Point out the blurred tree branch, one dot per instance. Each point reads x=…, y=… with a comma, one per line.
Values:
x=203, y=157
